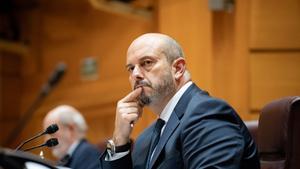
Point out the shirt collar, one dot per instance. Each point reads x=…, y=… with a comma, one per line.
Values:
x=73, y=147
x=167, y=111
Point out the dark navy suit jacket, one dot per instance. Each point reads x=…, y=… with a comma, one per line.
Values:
x=203, y=132
x=85, y=156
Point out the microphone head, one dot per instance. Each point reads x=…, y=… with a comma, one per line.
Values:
x=51, y=129
x=57, y=74
x=55, y=77
x=51, y=142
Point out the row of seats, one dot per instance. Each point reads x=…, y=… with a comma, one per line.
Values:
x=277, y=134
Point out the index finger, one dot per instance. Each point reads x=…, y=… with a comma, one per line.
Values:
x=132, y=96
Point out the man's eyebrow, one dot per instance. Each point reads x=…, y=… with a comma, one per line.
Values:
x=128, y=65
x=147, y=57
x=140, y=60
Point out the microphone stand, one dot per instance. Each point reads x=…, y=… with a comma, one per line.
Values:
x=31, y=148
x=49, y=130
x=27, y=115
x=49, y=143
x=28, y=140
x=54, y=79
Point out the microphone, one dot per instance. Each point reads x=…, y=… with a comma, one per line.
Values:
x=49, y=130
x=54, y=78
x=49, y=143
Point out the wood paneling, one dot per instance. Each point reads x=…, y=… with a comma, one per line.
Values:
x=275, y=24
x=69, y=34
x=274, y=51
x=10, y=91
x=246, y=57
x=215, y=44
x=273, y=75
x=13, y=47
x=231, y=57
x=189, y=22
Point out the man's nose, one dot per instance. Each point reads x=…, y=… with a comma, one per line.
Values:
x=137, y=73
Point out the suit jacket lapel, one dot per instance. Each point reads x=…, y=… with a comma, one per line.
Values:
x=140, y=157
x=169, y=129
x=174, y=120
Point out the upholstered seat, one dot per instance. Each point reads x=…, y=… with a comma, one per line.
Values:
x=278, y=134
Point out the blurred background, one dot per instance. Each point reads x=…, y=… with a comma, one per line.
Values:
x=246, y=52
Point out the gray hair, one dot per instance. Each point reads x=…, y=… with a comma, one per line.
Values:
x=68, y=115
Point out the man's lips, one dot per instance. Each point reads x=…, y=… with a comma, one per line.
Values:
x=141, y=85
x=137, y=86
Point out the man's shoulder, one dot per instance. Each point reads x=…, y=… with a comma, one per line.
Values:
x=86, y=155
x=203, y=106
x=87, y=148
x=196, y=99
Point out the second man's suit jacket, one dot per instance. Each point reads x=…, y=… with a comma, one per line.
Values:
x=85, y=156
x=202, y=132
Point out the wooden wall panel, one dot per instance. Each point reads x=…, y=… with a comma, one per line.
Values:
x=70, y=36
x=273, y=75
x=231, y=57
x=274, y=50
x=189, y=22
x=10, y=92
x=216, y=47
x=226, y=55
x=275, y=24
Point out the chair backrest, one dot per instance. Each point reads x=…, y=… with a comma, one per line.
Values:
x=253, y=129
x=279, y=134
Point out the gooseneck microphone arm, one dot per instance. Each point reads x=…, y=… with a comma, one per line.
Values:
x=26, y=141
x=49, y=143
x=52, y=81
x=50, y=130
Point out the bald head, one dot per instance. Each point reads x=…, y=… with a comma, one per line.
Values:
x=160, y=42
x=156, y=63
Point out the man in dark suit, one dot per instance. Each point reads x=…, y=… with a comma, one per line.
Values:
x=73, y=150
x=193, y=130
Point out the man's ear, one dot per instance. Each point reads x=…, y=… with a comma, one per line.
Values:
x=71, y=129
x=178, y=67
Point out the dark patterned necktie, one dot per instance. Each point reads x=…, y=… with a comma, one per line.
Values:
x=65, y=161
x=155, y=138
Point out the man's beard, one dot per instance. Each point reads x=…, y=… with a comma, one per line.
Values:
x=60, y=150
x=165, y=88
x=57, y=153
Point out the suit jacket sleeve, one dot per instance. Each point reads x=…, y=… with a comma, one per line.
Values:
x=212, y=140
x=85, y=156
x=124, y=162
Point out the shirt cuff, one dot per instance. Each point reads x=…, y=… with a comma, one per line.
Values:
x=116, y=156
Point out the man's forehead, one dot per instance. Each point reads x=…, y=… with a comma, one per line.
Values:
x=148, y=39
x=152, y=35
x=146, y=52
x=147, y=45
x=143, y=46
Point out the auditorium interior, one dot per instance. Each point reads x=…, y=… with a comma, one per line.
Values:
x=246, y=52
